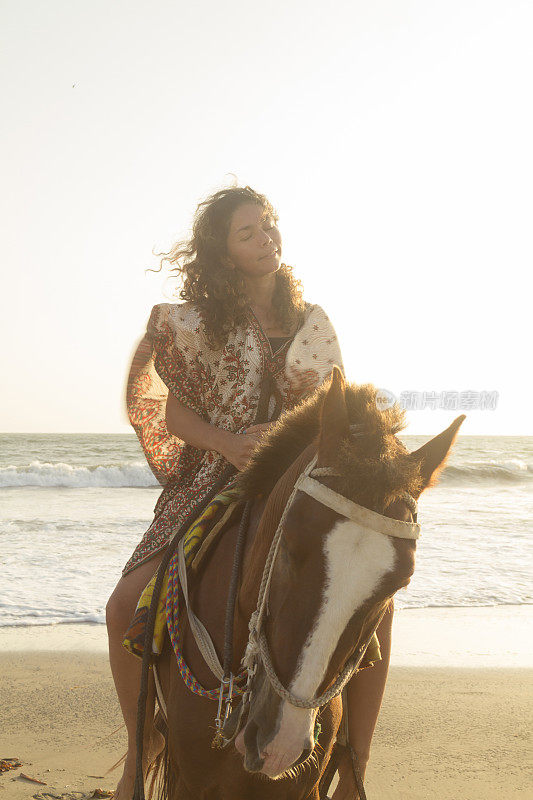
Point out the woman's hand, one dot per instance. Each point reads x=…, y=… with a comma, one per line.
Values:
x=238, y=448
x=303, y=382
x=263, y=427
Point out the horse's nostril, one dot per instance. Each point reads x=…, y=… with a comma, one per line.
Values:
x=306, y=752
x=253, y=761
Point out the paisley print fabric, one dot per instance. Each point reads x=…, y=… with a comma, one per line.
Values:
x=221, y=386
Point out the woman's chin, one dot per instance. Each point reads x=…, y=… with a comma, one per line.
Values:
x=267, y=266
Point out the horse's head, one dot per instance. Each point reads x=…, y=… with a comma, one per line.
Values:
x=334, y=573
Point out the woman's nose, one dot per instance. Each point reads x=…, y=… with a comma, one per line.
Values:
x=266, y=239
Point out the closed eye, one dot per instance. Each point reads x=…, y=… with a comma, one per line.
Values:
x=267, y=228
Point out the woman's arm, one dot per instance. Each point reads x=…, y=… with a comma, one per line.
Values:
x=191, y=428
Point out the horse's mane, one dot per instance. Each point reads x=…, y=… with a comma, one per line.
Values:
x=374, y=466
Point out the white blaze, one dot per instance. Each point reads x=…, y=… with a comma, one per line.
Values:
x=356, y=560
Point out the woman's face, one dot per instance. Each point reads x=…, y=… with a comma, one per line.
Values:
x=254, y=242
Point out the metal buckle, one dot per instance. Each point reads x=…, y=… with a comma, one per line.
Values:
x=224, y=699
x=227, y=698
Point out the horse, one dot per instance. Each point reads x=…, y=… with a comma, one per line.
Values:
x=344, y=545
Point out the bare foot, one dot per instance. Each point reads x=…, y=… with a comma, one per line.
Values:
x=125, y=786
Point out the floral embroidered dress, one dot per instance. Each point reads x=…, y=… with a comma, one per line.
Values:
x=221, y=386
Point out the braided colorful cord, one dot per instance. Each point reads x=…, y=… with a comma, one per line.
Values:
x=172, y=611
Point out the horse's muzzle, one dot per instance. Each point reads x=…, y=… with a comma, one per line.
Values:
x=272, y=761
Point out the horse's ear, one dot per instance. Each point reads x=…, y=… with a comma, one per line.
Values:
x=334, y=423
x=432, y=455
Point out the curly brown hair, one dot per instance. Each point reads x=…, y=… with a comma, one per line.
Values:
x=219, y=292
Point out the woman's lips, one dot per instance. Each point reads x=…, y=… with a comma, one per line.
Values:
x=270, y=255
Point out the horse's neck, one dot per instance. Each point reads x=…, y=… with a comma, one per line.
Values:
x=256, y=557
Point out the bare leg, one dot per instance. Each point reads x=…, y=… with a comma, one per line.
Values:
x=365, y=693
x=126, y=670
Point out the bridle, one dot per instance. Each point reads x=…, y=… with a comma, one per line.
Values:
x=257, y=650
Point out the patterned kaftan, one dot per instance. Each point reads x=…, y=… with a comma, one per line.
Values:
x=222, y=386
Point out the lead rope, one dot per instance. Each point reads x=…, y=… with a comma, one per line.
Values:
x=357, y=773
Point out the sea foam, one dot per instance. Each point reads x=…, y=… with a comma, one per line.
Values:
x=39, y=473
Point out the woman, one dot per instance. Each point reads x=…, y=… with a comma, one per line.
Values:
x=243, y=345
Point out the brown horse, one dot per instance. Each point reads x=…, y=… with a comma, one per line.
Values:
x=342, y=554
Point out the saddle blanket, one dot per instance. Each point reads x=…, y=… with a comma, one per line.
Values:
x=201, y=533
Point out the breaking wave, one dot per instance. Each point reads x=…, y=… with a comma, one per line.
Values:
x=137, y=474
x=510, y=470
x=38, y=473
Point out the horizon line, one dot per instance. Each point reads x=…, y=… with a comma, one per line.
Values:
x=132, y=433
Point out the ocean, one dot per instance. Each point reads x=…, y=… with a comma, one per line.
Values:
x=74, y=506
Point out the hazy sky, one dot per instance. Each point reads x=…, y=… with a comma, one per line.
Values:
x=393, y=136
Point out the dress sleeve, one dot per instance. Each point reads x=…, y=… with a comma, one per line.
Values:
x=178, y=342
x=314, y=352
x=168, y=359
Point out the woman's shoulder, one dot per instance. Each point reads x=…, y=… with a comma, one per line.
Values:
x=178, y=316
x=182, y=322
x=314, y=314
x=316, y=330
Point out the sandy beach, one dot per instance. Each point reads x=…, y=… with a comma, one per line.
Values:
x=445, y=732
